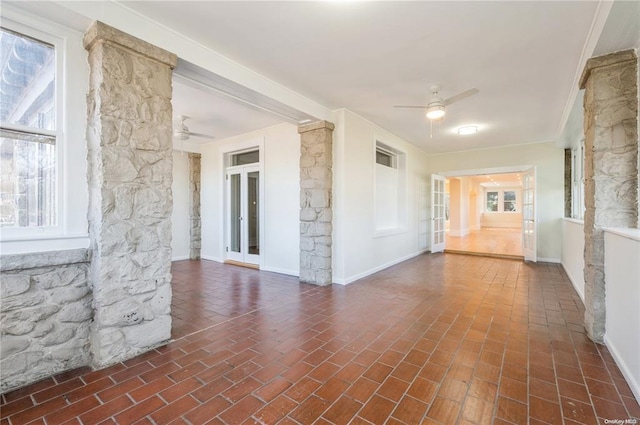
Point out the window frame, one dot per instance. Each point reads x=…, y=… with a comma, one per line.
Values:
x=393, y=157
x=70, y=87
x=399, y=168
x=577, y=181
x=501, y=200
x=38, y=135
x=504, y=201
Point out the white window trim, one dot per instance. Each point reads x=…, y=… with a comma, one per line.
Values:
x=72, y=82
x=501, y=191
x=400, y=164
x=577, y=181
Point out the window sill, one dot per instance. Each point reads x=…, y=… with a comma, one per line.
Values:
x=629, y=233
x=43, y=243
x=574, y=220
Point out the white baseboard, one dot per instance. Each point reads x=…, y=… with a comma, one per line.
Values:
x=459, y=233
x=377, y=269
x=281, y=271
x=633, y=382
x=549, y=260
x=180, y=258
x=579, y=289
x=210, y=258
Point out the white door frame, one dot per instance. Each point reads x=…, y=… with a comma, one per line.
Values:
x=225, y=152
x=438, y=218
x=243, y=255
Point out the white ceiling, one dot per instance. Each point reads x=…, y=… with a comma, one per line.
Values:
x=216, y=114
x=524, y=56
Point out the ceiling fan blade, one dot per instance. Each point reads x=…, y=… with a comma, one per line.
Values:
x=410, y=106
x=460, y=96
x=203, y=136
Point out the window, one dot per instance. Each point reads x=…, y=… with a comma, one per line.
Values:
x=501, y=201
x=390, y=190
x=244, y=158
x=509, y=201
x=577, y=181
x=386, y=158
x=492, y=201
x=44, y=82
x=28, y=195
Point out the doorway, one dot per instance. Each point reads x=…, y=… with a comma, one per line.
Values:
x=491, y=212
x=243, y=206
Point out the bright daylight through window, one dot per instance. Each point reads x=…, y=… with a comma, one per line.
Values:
x=501, y=201
x=28, y=195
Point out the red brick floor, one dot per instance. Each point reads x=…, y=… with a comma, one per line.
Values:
x=445, y=339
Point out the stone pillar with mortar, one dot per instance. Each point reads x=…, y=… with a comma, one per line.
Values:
x=611, y=167
x=316, y=177
x=195, y=233
x=130, y=199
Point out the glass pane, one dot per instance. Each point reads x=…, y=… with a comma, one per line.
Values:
x=253, y=204
x=235, y=213
x=492, y=201
x=28, y=183
x=27, y=84
x=509, y=206
x=245, y=158
x=509, y=195
x=384, y=158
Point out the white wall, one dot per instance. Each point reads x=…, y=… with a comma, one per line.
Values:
x=549, y=163
x=622, y=274
x=459, y=206
x=281, y=203
x=475, y=204
x=180, y=221
x=573, y=253
x=357, y=251
x=510, y=220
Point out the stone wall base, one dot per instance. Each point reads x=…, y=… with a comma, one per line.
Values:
x=46, y=315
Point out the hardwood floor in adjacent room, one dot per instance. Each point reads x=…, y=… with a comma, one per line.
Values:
x=438, y=339
x=500, y=242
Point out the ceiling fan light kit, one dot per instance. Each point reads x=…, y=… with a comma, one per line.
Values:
x=435, y=112
x=436, y=105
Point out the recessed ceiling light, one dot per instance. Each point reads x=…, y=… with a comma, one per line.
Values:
x=468, y=129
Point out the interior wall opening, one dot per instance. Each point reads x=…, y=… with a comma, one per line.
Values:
x=484, y=214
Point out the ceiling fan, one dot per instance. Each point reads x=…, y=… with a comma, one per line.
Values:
x=436, y=105
x=181, y=131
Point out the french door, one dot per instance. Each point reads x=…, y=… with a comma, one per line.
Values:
x=438, y=217
x=529, y=230
x=243, y=214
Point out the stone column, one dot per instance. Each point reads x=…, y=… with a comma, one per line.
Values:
x=315, y=202
x=194, y=206
x=130, y=200
x=611, y=167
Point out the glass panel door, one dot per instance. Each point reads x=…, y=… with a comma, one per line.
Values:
x=437, y=213
x=253, y=217
x=234, y=201
x=529, y=228
x=243, y=214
